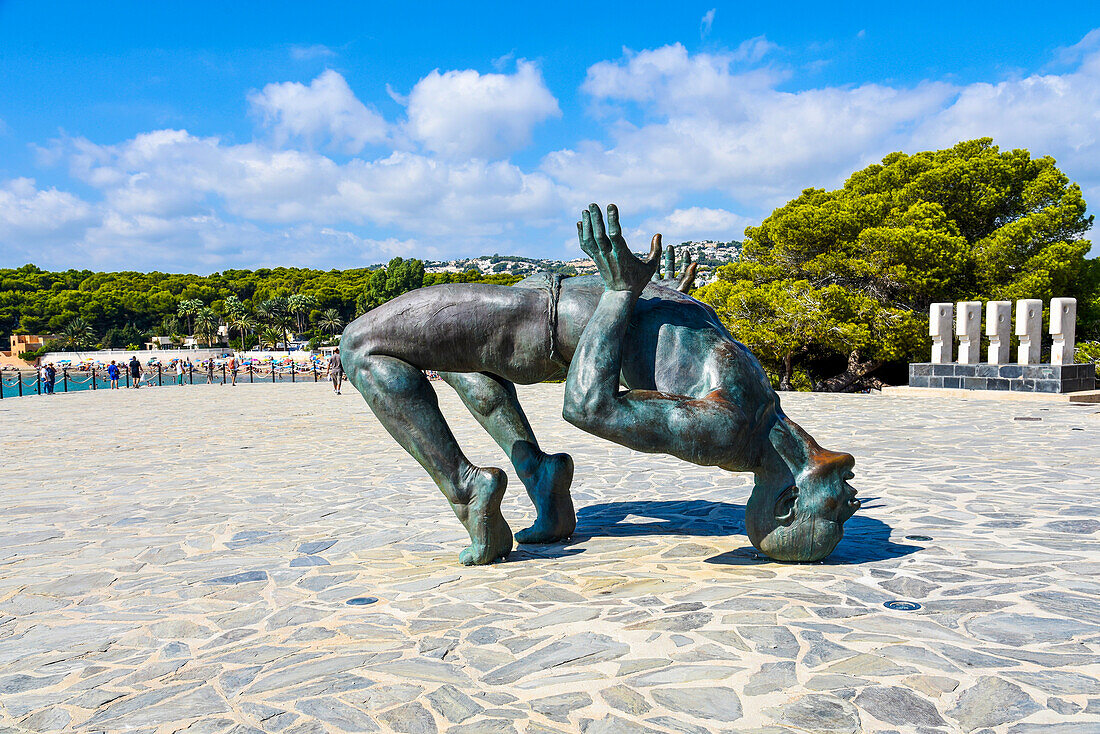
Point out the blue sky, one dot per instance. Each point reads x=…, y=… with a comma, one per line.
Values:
x=200, y=136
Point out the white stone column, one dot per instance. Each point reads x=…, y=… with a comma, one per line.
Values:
x=1029, y=327
x=968, y=327
x=998, y=327
x=939, y=328
x=1063, y=327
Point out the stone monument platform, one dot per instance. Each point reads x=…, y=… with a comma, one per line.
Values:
x=1042, y=378
x=265, y=558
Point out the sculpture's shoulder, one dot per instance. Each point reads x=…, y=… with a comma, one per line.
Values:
x=544, y=279
x=541, y=279
x=660, y=298
x=593, y=283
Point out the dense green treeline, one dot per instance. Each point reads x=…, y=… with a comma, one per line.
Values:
x=121, y=307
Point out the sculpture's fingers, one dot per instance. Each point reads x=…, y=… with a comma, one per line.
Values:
x=598, y=231
x=687, y=281
x=614, y=231
x=584, y=243
x=654, y=257
x=586, y=232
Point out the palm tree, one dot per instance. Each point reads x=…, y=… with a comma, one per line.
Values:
x=276, y=313
x=299, y=305
x=76, y=334
x=270, y=337
x=330, y=321
x=206, y=324
x=242, y=323
x=170, y=326
x=233, y=307
x=187, y=309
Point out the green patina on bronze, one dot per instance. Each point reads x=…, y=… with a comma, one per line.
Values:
x=646, y=366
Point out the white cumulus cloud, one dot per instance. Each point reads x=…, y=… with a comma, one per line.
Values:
x=712, y=126
x=696, y=223
x=670, y=81
x=34, y=221
x=325, y=112
x=464, y=114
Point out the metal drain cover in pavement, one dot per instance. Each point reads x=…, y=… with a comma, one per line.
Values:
x=361, y=601
x=903, y=606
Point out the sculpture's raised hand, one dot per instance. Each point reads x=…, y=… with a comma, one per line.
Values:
x=619, y=268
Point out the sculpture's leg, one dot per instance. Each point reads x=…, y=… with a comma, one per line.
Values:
x=406, y=405
x=547, y=477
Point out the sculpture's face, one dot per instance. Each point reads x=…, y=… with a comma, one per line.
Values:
x=805, y=520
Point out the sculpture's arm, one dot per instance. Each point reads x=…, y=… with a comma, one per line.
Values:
x=699, y=430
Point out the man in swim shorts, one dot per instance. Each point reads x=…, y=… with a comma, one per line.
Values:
x=336, y=371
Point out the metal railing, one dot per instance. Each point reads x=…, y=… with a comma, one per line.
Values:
x=69, y=379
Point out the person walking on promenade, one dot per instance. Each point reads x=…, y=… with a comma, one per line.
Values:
x=231, y=363
x=336, y=371
x=179, y=371
x=51, y=377
x=112, y=374
x=135, y=372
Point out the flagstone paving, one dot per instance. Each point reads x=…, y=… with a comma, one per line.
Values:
x=185, y=560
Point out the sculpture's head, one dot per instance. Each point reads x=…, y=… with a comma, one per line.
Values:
x=800, y=517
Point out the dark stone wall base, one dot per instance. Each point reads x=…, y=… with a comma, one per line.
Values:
x=1048, y=378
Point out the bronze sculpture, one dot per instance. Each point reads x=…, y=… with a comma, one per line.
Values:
x=692, y=391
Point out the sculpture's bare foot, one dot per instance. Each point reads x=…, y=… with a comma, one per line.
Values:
x=550, y=489
x=489, y=532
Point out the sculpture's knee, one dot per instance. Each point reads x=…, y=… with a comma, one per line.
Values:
x=480, y=393
x=482, y=399
x=380, y=376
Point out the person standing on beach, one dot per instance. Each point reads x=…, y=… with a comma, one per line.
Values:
x=336, y=371
x=51, y=376
x=179, y=371
x=112, y=374
x=231, y=363
x=135, y=372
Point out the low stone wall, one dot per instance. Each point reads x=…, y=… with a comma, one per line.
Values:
x=1046, y=378
x=304, y=357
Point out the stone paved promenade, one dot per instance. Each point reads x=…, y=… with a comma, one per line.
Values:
x=182, y=560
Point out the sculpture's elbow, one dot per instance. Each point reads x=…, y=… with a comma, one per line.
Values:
x=584, y=414
x=573, y=413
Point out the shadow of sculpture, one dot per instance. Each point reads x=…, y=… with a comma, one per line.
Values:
x=659, y=517
x=865, y=538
